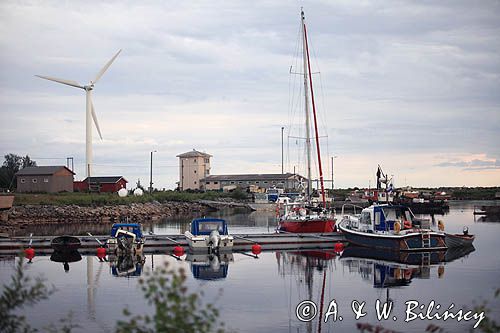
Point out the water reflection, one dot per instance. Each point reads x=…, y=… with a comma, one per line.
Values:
x=386, y=269
x=127, y=265
x=66, y=257
x=410, y=258
x=209, y=266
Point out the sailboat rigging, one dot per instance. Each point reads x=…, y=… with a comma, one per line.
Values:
x=303, y=218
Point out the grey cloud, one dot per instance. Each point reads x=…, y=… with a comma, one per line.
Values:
x=475, y=164
x=406, y=76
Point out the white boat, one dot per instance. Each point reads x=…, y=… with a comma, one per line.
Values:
x=209, y=235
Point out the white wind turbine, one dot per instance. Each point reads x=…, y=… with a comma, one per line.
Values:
x=90, y=112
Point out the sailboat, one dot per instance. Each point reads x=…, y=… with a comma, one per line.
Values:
x=304, y=217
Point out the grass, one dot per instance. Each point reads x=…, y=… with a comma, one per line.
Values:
x=105, y=199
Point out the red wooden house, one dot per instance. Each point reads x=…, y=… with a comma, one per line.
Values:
x=100, y=184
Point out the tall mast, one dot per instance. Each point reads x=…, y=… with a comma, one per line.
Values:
x=314, y=112
x=306, y=107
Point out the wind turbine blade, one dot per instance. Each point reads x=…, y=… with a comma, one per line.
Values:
x=67, y=82
x=95, y=119
x=98, y=76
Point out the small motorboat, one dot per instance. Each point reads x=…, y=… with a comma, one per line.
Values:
x=126, y=239
x=391, y=227
x=459, y=240
x=65, y=243
x=209, y=235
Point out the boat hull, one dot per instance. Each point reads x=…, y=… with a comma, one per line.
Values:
x=308, y=226
x=459, y=240
x=409, y=242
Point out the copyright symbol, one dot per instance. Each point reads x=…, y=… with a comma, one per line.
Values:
x=306, y=311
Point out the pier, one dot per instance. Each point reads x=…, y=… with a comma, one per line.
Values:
x=165, y=243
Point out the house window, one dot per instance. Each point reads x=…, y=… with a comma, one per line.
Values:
x=194, y=171
x=207, y=171
x=23, y=180
x=207, y=183
x=207, y=160
x=34, y=180
x=240, y=182
x=265, y=182
x=195, y=182
x=216, y=183
x=195, y=160
x=257, y=182
x=232, y=182
x=45, y=180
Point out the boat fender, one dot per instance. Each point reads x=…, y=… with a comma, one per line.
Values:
x=397, y=227
x=440, y=225
x=466, y=231
x=302, y=212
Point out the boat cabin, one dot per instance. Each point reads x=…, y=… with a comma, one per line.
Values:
x=134, y=228
x=383, y=218
x=204, y=226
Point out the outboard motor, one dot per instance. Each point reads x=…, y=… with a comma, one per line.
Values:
x=214, y=262
x=214, y=240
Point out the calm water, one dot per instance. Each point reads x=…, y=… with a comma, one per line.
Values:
x=261, y=295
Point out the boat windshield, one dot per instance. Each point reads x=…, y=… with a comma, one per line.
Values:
x=365, y=218
x=209, y=226
x=395, y=213
x=206, y=226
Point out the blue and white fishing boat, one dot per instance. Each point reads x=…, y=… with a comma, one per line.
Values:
x=126, y=239
x=391, y=227
x=209, y=235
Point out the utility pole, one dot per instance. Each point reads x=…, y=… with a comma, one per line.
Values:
x=151, y=173
x=282, y=163
x=333, y=168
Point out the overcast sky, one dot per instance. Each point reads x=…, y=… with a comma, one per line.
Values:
x=411, y=85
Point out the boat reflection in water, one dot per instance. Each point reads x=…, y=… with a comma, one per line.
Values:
x=66, y=257
x=127, y=265
x=210, y=266
x=300, y=266
x=388, y=269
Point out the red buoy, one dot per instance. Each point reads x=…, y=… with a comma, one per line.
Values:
x=178, y=251
x=101, y=252
x=339, y=247
x=256, y=249
x=29, y=253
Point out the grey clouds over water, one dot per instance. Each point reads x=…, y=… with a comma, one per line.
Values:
x=413, y=85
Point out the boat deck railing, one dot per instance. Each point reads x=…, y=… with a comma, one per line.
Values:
x=353, y=206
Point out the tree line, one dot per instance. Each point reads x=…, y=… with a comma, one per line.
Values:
x=12, y=164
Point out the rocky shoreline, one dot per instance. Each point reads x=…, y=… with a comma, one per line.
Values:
x=23, y=216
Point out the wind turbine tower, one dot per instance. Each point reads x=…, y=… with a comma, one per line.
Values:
x=90, y=111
